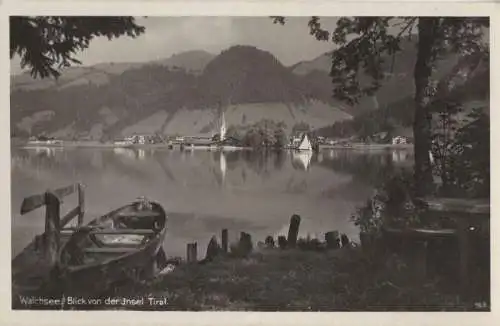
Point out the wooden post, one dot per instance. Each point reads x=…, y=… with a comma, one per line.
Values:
x=269, y=242
x=212, y=249
x=344, y=240
x=52, y=241
x=161, y=259
x=332, y=239
x=282, y=242
x=81, y=204
x=224, y=241
x=293, y=230
x=192, y=252
x=245, y=244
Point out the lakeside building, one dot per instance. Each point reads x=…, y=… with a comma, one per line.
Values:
x=138, y=140
x=179, y=139
x=296, y=139
x=44, y=140
x=198, y=142
x=399, y=140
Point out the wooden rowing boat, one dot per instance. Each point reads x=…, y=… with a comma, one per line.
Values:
x=85, y=260
x=117, y=246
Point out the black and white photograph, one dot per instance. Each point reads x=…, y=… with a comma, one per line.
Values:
x=250, y=163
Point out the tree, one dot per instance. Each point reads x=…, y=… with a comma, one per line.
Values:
x=365, y=43
x=280, y=137
x=233, y=132
x=48, y=44
x=301, y=127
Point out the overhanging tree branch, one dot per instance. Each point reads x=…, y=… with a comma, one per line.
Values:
x=48, y=44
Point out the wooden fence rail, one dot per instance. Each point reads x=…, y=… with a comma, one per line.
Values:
x=54, y=223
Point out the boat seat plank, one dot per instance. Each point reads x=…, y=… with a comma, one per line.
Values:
x=123, y=231
x=139, y=214
x=109, y=250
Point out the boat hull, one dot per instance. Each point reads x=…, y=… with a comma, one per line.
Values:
x=97, y=277
x=92, y=281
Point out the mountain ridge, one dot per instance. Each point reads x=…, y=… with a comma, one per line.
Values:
x=187, y=91
x=241, y=77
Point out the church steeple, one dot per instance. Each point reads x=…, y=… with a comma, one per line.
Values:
x=222, y=127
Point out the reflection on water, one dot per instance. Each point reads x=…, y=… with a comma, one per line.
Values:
x=302, y=159
x=400, y=156
x=124, y=151
x=141, y=154
x=205, y=191
x=46, y=151
x=223, y=166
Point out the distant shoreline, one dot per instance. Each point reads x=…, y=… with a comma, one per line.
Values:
x=91, y=144
x=361, y=146
x=94, y=144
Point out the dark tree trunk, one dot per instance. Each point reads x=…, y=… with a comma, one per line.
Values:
x=427, y=28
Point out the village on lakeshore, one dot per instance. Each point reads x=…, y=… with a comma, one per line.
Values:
x=301, y=139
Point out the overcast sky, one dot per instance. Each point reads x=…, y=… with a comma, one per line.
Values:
x=169, y=35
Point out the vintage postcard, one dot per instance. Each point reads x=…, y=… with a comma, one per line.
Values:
x=250, y=163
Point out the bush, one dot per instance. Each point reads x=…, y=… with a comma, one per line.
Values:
x=471, y=167
x=394, y=204
x=462, y=154
x=368, y=217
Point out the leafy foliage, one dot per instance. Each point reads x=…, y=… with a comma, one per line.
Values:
x=368, y=217
x=473, y=161
x=443, y=147
x=364, y=43
x=463, y=155
x=300, y=127
x=394, y=204
x=265, y=133
x=47, y=44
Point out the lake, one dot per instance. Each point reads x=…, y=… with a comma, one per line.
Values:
x=206, y=191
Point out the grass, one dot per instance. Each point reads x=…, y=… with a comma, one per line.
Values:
x=299, y=280
x=310, y=279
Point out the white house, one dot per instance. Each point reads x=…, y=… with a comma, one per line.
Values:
x=399, y=140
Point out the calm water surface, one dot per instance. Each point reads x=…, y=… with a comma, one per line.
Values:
x=204, y=191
